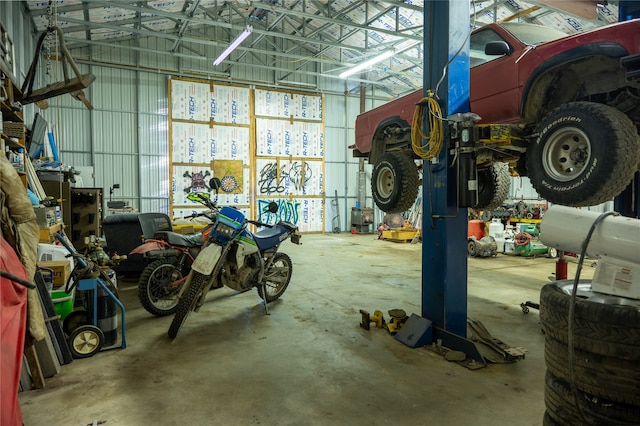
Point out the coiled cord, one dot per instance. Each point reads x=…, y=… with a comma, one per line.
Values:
x=435, y=137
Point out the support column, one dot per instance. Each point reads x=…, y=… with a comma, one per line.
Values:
x=444, y=242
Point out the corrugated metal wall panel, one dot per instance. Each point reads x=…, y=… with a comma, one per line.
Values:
x=115, y=132
x=154, y=136
x=71, y=127
x=113, y=93
x=154, y=172
x=153, y=96
x=75, y=158
x=122, y=169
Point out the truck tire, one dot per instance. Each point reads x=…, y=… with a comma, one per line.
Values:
x=560, y=405
x=603, y=325
x=585, y=154
x=605, y=377
x=394, y=182
x=493, y=186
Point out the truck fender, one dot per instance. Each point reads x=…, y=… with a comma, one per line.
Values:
x=378, y=144
x=207, y=259
x=608, y=49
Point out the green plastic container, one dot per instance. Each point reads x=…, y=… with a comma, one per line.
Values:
x=62, y=302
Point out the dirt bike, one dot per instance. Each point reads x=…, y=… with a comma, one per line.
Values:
x=169, y=256
x=232, y=256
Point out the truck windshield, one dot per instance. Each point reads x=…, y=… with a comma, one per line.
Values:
x=532, y=34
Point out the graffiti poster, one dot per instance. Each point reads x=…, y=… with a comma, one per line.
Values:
x=305, y=213
x=285, y=176
x=187, y=179
x=231, y=175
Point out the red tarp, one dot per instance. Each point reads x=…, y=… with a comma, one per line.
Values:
x=13, y=319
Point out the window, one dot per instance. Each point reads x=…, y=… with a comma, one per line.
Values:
x=478, y=41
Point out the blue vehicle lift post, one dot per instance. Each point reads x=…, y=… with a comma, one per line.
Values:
x=444, y=244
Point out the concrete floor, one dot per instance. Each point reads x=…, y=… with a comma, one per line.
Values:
x=309, y=362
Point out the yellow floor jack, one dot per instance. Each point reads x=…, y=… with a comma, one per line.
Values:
x=398, y=317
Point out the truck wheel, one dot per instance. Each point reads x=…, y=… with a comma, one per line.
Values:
x=493, y=186
x=585, y=154
x=394, y=182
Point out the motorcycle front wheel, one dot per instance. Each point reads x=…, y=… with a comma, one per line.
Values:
x=188, y=302
x=276, y=278
x=155, y=292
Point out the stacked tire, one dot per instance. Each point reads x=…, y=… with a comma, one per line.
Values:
x=606, y=357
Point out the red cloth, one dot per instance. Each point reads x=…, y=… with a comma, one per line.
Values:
x=13, y=321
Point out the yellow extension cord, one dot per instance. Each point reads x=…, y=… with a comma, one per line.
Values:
x=436, y=133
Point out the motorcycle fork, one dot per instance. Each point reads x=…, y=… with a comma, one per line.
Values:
x=264, y=267
x=212, y=277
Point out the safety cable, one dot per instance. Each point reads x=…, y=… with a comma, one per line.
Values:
x=571, y=320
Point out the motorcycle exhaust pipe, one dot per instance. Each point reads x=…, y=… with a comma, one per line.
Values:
x=158, y=254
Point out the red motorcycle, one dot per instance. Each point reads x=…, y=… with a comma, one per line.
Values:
x=169, y=257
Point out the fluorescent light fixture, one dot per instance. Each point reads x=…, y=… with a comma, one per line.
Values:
x=367, y=64
x=235, y=43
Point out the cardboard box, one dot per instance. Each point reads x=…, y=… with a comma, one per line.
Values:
x=46, y=233
x=61, y=271
x=183, y=229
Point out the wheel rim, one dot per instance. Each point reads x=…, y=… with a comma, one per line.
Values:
x=566, y=154
x=585, y=292
x=86, y=342
x=161, y=295
x=277, y=277
x=471, y=248
x=385, y=182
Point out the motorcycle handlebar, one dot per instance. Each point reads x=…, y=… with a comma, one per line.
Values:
x=258, y=223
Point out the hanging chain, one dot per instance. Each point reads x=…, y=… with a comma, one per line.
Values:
x=48, y=42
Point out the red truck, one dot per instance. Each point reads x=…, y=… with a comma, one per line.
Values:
x=571, y=103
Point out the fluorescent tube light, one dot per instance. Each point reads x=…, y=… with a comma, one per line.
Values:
x=367, y=64
x=235, y=43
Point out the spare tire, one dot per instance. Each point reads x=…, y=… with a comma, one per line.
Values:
x=493, y=186
x=394, y=182
x=585, y=154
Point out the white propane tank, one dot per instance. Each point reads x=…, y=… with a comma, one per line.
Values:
x=565, y=228
x=495, y=227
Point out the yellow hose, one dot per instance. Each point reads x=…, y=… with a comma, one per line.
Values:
x=433, y=146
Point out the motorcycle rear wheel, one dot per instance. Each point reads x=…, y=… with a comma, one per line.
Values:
x=276, y=278
x=188, y=302
x=153, y=287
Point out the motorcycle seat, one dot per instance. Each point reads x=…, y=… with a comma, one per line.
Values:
x=183, y=240
x=270, y=237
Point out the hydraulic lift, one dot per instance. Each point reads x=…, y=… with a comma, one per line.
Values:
x=449, y=186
